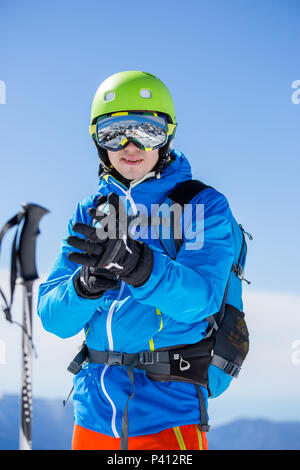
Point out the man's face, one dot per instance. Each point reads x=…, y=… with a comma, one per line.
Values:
x=133, y=162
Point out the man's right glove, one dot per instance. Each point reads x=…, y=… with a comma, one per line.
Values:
x=116, y=252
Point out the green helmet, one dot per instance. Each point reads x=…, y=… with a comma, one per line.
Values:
x=132, y=91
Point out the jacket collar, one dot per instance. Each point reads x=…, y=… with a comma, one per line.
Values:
x=149, y=189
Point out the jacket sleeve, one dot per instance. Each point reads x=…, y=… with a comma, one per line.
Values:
x=61, y=310
x=191, y=288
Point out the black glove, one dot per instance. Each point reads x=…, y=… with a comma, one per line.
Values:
x=92, y=283
x=111, y=247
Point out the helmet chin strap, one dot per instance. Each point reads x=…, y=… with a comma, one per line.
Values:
x=106, y=167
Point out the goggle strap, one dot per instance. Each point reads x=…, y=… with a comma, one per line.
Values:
x=92, y=129
x=171, y=128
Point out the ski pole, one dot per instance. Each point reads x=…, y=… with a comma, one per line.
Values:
x=23, y=265
x=28, y=273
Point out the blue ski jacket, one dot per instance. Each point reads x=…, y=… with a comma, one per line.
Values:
x=169, y=309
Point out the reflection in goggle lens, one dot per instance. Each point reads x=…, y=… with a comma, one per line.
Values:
x=115, y=131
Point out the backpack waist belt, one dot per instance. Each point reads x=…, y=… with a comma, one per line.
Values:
x=159, y=365
x=158, y=361
x=184, y=363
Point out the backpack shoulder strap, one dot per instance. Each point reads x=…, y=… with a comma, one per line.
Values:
x=181, y=195
x=186, y=191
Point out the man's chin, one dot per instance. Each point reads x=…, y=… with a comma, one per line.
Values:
x=133, y=173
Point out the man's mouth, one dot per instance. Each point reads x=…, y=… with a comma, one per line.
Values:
x=131, y=160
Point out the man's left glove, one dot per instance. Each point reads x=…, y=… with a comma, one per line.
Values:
x=128, y=259
x=91, y=283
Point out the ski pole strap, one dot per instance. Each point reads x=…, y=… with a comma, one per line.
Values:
x=23, y=255
x=15, y=220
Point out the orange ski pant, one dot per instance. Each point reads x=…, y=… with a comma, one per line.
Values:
x=188, y=437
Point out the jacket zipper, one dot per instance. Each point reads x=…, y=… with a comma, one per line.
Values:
x=111, y=348
x=111, y=311
x=109, y=329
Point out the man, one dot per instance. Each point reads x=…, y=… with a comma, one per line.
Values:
x=127, y=293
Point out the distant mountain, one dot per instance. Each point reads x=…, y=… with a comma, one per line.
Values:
x=257, y=434
x=53, y=426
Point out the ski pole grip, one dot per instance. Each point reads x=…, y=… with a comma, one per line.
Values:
x=27, y=243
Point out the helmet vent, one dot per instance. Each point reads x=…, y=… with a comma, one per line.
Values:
x=109, y=96
x=145, y=93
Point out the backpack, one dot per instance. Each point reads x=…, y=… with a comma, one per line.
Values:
x=227, y=335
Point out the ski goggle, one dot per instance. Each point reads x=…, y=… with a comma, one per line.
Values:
x=148, y=131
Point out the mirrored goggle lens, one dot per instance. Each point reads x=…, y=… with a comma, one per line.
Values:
x=114, y=132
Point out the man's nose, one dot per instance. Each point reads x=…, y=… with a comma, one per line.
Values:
x=131, y=145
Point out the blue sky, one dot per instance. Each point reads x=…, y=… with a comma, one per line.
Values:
x=229, y=66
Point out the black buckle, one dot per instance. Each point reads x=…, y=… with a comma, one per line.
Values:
x=232, y=369
x=147, y=357
x=115, y=358
x=74, y=367
x=205, y=427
